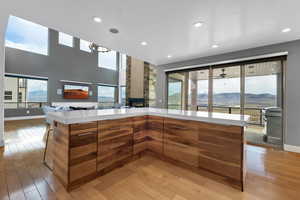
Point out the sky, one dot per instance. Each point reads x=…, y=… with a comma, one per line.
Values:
x=253, y=85
x=25, y=35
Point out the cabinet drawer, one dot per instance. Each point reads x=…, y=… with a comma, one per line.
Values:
x=82, y=170
x=115, y=143
x=140, y=141
x=182, y=153
x=83, y=152
x=83, y=127
x=181, y=128
x=110, y=129
x=155, y=123
x=155, y=144
x=83, y=139
x=108, y=159
x=139, y=123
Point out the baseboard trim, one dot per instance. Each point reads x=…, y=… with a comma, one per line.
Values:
x=24, y=118
x=291, y=148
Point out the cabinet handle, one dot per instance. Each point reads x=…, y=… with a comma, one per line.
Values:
x=176, y=127
x=84, y=134
x=114, y=128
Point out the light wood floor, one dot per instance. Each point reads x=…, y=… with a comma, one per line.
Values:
x=271, y=175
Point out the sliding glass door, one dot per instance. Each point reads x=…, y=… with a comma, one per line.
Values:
x=226, y=89
x=253, y=88
x=198, y=90
x=176, y=90
x=263, y=102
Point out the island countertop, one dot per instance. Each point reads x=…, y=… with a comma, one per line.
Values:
x=82, y=116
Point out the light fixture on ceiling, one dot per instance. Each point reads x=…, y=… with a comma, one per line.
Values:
x=214, y=46
x=169, y=56
x=114, y=31
x=198, y=24
x=96, y=48
x=144, y=43
x=97, y=19
x=286, y=30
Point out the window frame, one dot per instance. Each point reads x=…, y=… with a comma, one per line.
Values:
x=17, y=45
x=80, y=46
x=115, y=93
x=64, y=44
x=117, y=64
x=19, y=94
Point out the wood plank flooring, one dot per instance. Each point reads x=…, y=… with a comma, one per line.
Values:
x=271, y=174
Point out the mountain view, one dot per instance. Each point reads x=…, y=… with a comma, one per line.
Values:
x=37, y=96
x=230, y=99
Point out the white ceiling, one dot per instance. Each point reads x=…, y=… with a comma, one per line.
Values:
x=166, y=25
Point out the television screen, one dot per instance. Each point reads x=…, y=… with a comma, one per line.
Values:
x=76, y=92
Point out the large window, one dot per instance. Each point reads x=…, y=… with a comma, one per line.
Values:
x=198, y=90
x=25, y=92
x=226, y=89
x=85, y=46
x=65, y=39
x=25, y=35
x=122, y=78
x=175, y=90
x=108, y=60
x=262, y=88
x=106, y=95
x=123, y=95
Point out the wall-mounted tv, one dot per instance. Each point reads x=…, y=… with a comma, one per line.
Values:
x=76, y=92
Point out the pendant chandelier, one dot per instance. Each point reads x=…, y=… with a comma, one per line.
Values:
x=96, y=48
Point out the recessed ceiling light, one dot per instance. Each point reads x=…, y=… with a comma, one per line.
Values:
x=198, y=24
x=169, y=56
x=215, y=46
x=114, y=30
x=285, y=30
x=97, y=19
x=144, y=43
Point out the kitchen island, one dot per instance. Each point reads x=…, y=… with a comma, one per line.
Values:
x=90, y=143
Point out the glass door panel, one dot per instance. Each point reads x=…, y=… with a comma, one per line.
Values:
x=226, y=90
x=198, y=90
x=175, y=91
x=263, y=102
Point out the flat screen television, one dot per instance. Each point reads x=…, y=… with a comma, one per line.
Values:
x=76, y=92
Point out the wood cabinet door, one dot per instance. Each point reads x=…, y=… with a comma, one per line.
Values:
x=220, y=149
x=115, y=143
x=83, y=152
x=181, y=141
x=139, y=134
x=155, y=127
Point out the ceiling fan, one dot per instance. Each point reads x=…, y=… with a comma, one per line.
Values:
x=96, y=48
x=223, y=74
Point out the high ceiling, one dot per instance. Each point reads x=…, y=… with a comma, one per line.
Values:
x=167, y=25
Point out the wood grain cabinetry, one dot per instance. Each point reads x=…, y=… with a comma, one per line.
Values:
x=181, y=141
x=86, y=150
x=75, y=153
x=155, y=127
x=140, y=134
x=115, y=143
x=221, y=150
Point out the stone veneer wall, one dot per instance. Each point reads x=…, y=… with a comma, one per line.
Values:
x=130, y=73
x=128, y=79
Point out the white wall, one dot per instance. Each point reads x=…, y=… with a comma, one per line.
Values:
x=3, y=22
